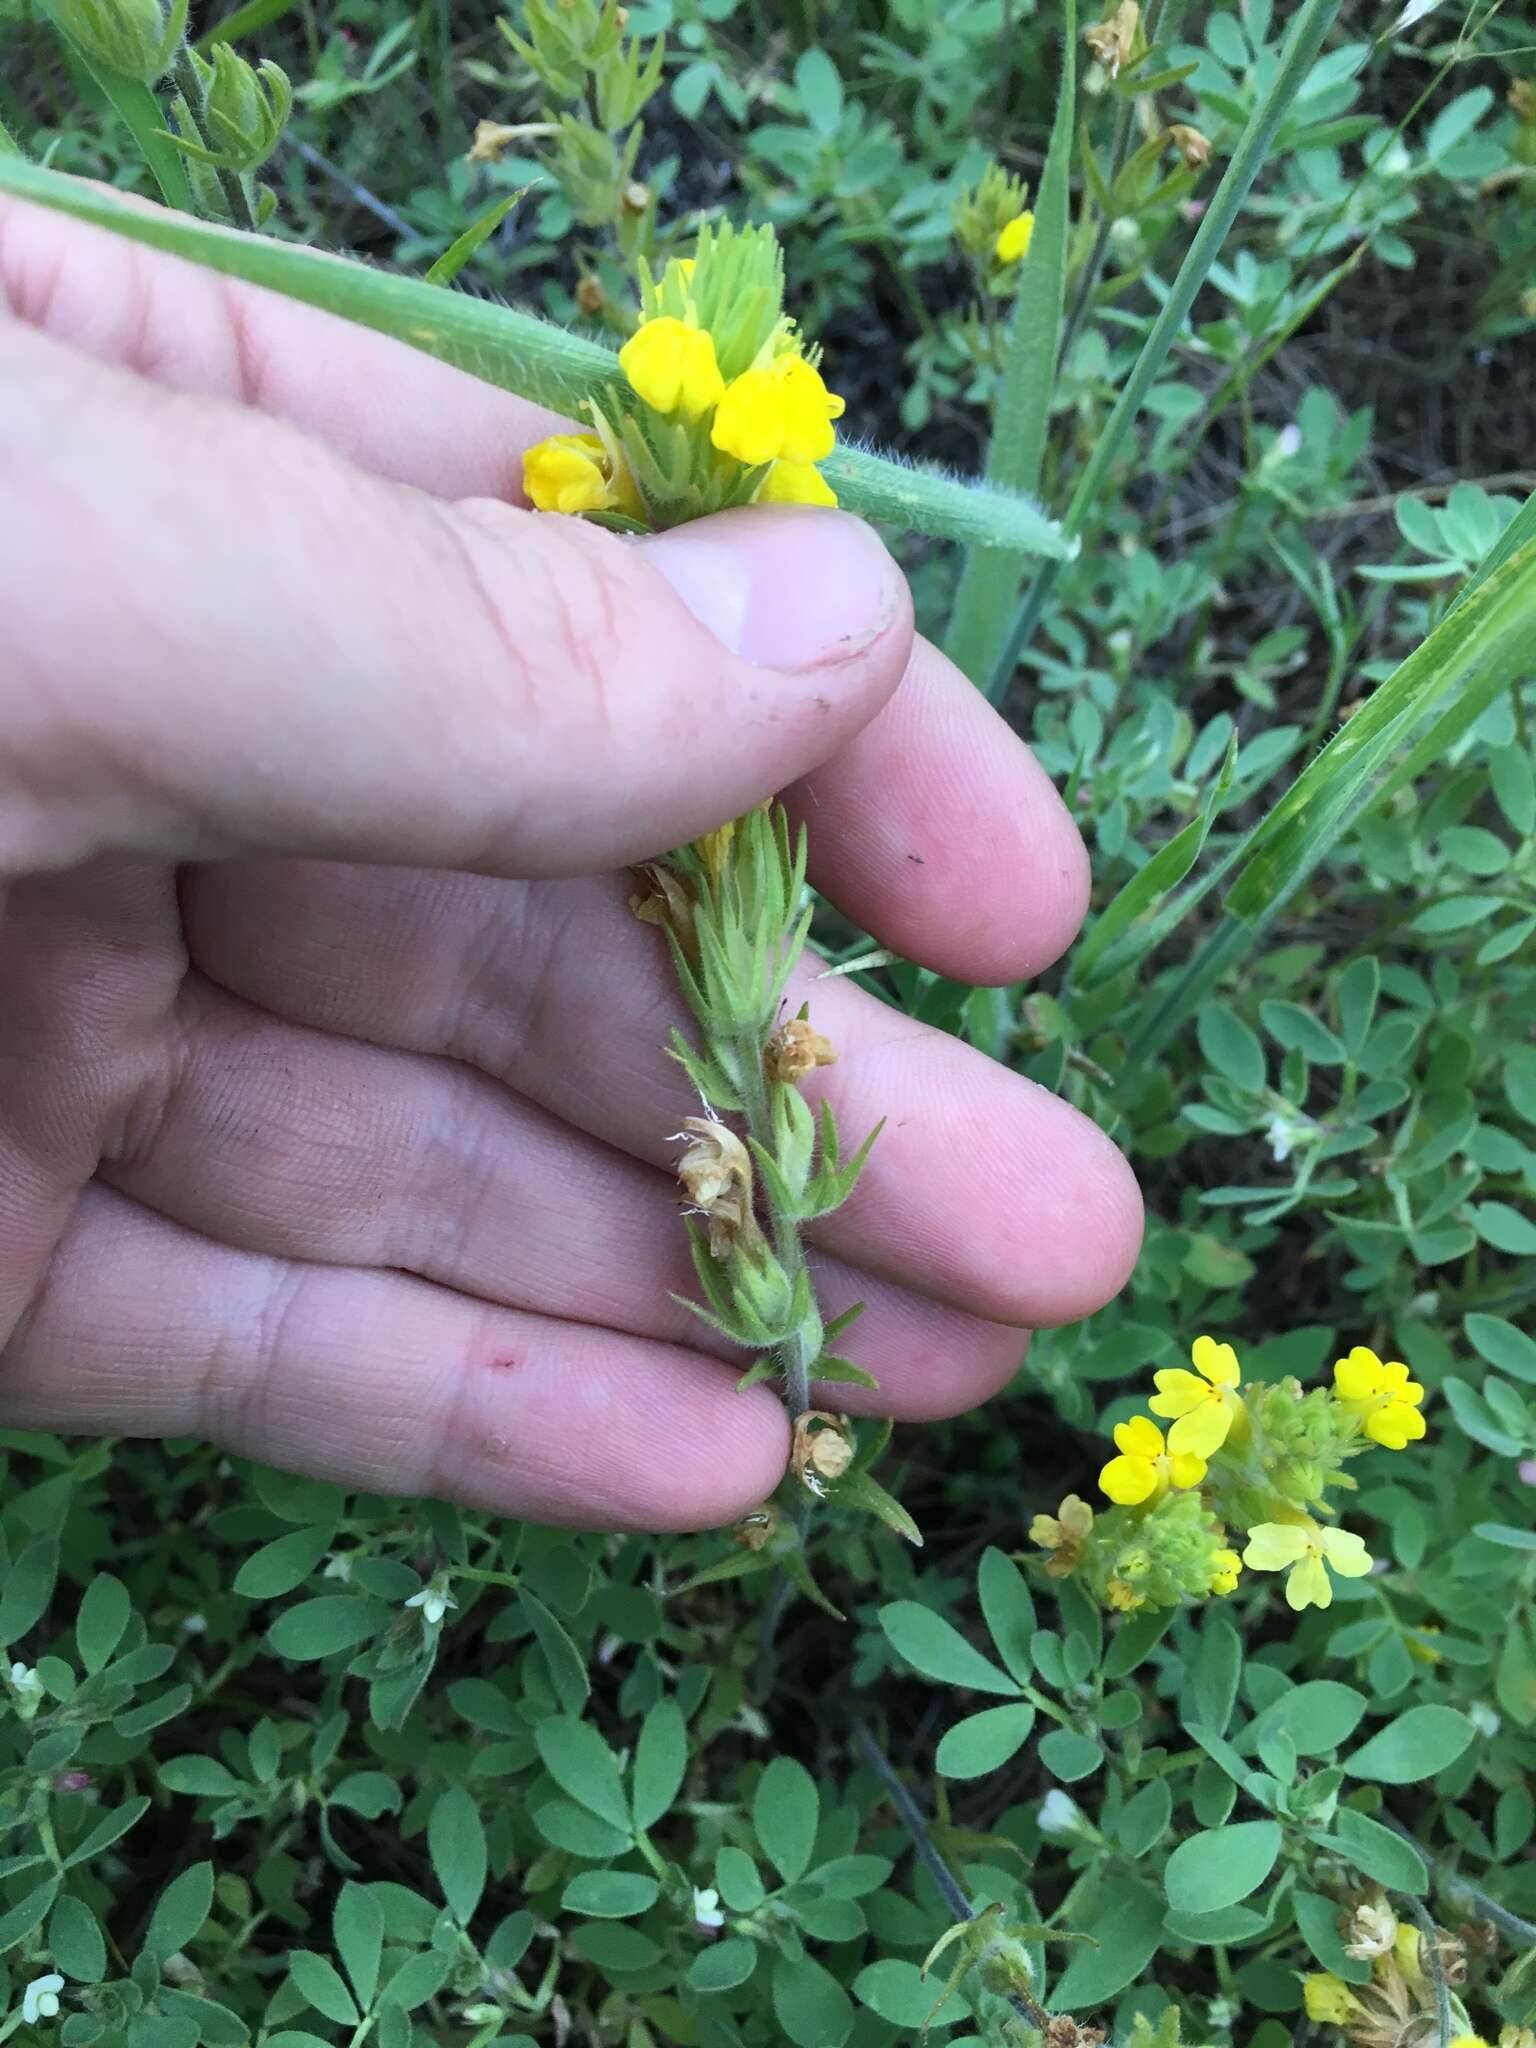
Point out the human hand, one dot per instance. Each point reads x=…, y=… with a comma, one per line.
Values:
x=333, y=1094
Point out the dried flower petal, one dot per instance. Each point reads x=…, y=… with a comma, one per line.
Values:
x=716, y=1173
x=796, y=1050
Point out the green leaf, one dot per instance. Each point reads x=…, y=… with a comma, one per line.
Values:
x=1067, y=1755
x=1221, y=1866
x=903, y=1997
x=202, y=1777
x=357, y=1925
x=785, y=1813
x=723, y=1967
x=1231, y=1047
x=1317, y=1716
x=1503, y=1345
x=1126, y=1920
x=989, y=582
x=1009, y=1610
x=459, y=251
x=1214, y=1672
x=104, y=1614
x=1413, y=1747
x=282, y=1564
x=524, y=354
x=582, y=1764
x=1503, y=1227
x=456, y=1842
x=811, y=2006
x=661, y=1758
x=985, y=1741
x=139, y=110
x=28, y=1588
x=1144, y=1818
x=180, y=1912
x=27, y=1914
x=1318, y=1920
x=936, y=1649
x=567, y=1667
x=614, y=1947
x=570, y=1827
x=245, y=21
x=1135, y=1640
x=1382, y=1855
x=109, y=1829
x=610, y=1894
x=76, y=1942
x=318, y=1983
x=368, y=1793
x=319, y=1628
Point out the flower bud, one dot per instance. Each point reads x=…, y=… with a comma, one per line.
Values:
x=590, y=295
x=135, y=38
x=1194, y=147
x=247, y=109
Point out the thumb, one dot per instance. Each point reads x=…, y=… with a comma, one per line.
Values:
x=217, y=637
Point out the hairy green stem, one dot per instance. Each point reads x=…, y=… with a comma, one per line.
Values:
x=784, y=1229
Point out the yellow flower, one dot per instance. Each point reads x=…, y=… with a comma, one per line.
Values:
x=1014, y=238
x=1225, y=1567
x=1123, y=1596
x=1303, y=1551
x=569, y=473
x=1468, y=2041
x=1201, y=1403
x=1063, y=1534
x=782, y=413
x=795, y=483
x=1382, y=1398
x=672, y=366
x=1144, y=1469
x=1329, y=2000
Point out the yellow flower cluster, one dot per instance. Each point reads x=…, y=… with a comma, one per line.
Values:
x=1398, y=2002
x=1259, y=1463
x=702, y=437
x=1381, y=1397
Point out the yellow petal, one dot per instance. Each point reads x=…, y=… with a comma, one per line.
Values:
x=1201, y=1432
x=1139, y=1438
x=672, y=366
x=1215, y=1362
x=1014, y=238
x=1358, y=1377
x=1274, y=1545
x=1186, y=1471
x=795, y=483
x=1128, y=1481
x=1177, y=1391
x=1345, y=1552
x=1327, y=1999
x=1307, y=1584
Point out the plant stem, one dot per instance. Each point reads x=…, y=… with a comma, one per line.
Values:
x=1436, y=1964
x=794, y=1355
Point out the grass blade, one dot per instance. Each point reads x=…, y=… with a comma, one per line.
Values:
x=990, y=581
x=458, y=253
x=524, y=354
x=1312, y=23
x=1480, y=647
x=245, y=21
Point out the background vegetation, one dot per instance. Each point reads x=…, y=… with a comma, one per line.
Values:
x=284, y=1765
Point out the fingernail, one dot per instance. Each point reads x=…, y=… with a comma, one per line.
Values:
x=783, y=586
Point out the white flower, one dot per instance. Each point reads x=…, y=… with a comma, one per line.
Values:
x=40, y=2000
x=1059, y=1814
x=706, y=1908
x=194, y=1624
x=338, y=1566
x=1483, y=1718
x=25, y=1679
x=434, y=1600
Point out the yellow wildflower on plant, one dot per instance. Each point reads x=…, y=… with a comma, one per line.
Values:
x=672, y=366
x=1226, y=1568
x=1382, y=1397
x=796, y=483
x=1145, y=1468
x=781, y=413
x=1304, y=1551
x=1201, y=1404
x=1469, y=2041
x=1014, y=238
x=573, y=473
x=1063, y=1534
x=1328, y=1999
